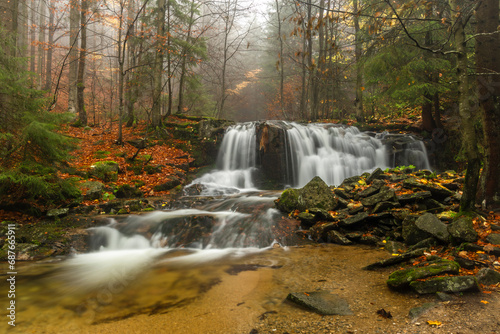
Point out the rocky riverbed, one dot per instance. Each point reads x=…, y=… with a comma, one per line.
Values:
x=371, y=244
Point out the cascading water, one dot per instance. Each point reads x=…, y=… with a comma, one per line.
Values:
x=244, y=220
x=332, y=153
x=236, y=162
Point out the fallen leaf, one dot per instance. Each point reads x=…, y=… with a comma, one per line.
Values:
x=484, y=301
x=434, y=323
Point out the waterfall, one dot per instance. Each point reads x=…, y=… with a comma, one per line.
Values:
x=236, y=162
x=331, y=152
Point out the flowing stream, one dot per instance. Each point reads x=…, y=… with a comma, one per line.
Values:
x=174, y=256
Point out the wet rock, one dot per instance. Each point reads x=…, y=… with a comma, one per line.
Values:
x=385, y=194
x=368, y=239
x=434, y=206
x=336, y=237
x=493, y=238
x=170, y=184
x=375, y=175
x=322, y=302
x=383, y=206
x=453, y=284
x=321, y=214
x=127, y=191
x=56, y=213
x=315, y=194
x=351, y=181
x=354, y=219
x=395, y=260
x=342, y=193
x=307, y=219
x=488, y=276
x=93, y=190
x=403, y=278
x=319, y=231
x=419, y=310
x=444, y=297
x=462, y=230
x=426, y=243
x=411, y=233
x=394, y=247
x=436, y=190
x=430, y=224
x=413, y=197
x=372, y=190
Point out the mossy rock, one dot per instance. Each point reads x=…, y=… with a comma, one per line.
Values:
x=127, y=191
x=152, y=169
x=288, y=201
x=403, y=278
x=106, y=171
x=453, y=284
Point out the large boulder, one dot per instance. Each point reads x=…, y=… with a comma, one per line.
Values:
x=431, y=224
x=452, y=284
x=462, y=230
x=315, y=195
x=402, y=278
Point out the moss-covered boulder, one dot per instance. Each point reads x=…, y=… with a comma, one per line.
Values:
x=314, y=195
x=92, y=190
x=452, y=284
x=106, y=171
x=402, y=278
x=289, y=200
x=128, y=191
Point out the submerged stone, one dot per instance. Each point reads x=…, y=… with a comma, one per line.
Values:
x=322, y=302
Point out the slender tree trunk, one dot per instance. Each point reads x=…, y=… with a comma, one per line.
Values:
x=82, y=113
x=281, y=60
x=464, y=108
x=158, y=66
x=180, y=106
x=33, y=37
x=41, y=45
x=22, y=28
x=130, y=77
x=74, y=19
x=488, y=81
x=169, y=63
x=358, y=102
x=51, y=31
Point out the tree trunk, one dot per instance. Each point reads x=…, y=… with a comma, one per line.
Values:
x=130, y=95
x=74, y=21
x=51, y=30
x=488, y=81
x=464, y=108
x=41, y=45
x=82, y=114
x=33, y=37
x=428, y=123
x=169, y=63
x=158, y=66
x=358, y=102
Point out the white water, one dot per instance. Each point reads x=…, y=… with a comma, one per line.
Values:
x=332, y=153
x=240, y=223
x=236, y=162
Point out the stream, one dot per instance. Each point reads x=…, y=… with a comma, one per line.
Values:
x=223, y=263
